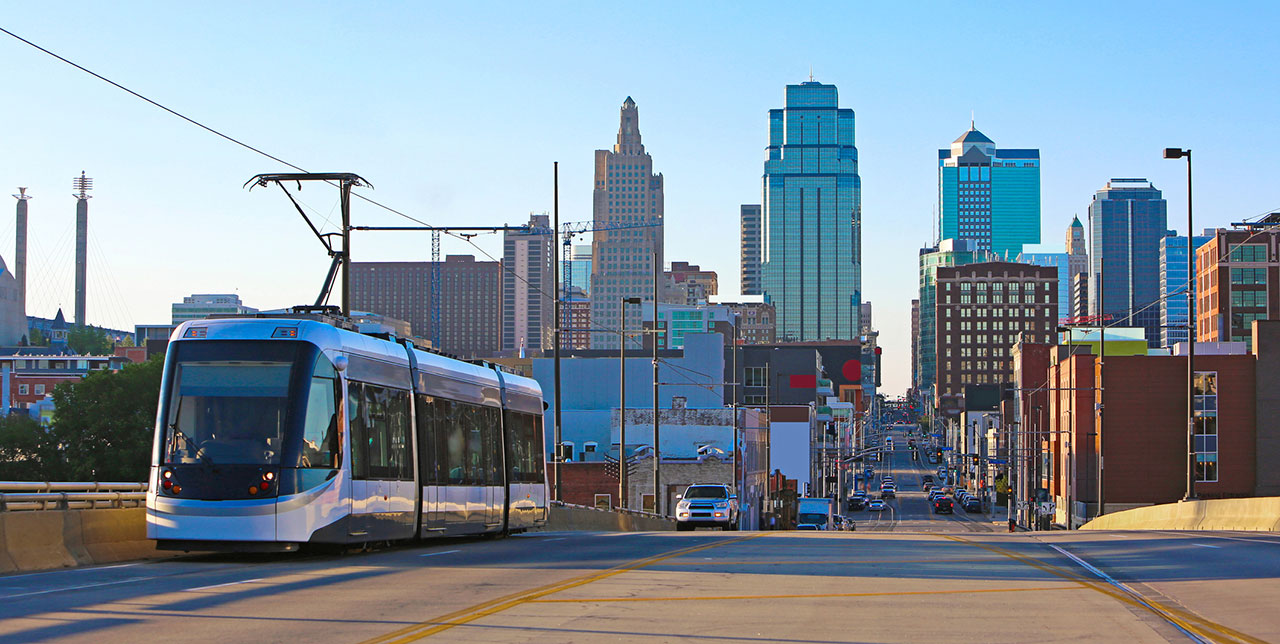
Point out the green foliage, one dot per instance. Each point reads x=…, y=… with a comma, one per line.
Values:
x=90, y=340
x=28, y=452
x=37, y=338
x=104, y=423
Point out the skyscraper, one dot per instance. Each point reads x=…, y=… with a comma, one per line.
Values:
x=989, y=195
x=1173, y=286
x=622, y=260
x=1077, y=254
x=527, y=283
x=1127, y=219
x=811, y=264
x=750, y=238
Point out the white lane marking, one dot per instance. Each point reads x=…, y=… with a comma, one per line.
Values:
x=229, y=583
x=55, y=572
x=1131, y=592
x=80, y=587
x=432, y=554
x=1205, y=545
x=556, y=539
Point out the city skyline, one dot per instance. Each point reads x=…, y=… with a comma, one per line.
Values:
x=157, y=175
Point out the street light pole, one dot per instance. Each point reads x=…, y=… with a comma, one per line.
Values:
x=1177, y=153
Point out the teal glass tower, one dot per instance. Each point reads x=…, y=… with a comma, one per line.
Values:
x=989, y=195
x=811, y=260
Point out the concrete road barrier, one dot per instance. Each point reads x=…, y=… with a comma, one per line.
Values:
x=63, y=539
x=1255, y=514
x=581, y=518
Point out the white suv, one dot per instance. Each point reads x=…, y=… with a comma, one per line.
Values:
x=707, y=505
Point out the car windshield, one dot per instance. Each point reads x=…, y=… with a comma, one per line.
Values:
x=706, y=492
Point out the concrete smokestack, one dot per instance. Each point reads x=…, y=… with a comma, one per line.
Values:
x=83, y=185
x=20, y=253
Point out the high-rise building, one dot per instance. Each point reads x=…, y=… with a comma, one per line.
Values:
x=579, y=275
x=1080, y=295
x=624, y=261
x=750, y=253
x=575, y=321
x=811, y=266
x=202, y=305
x=470, y=300
x=1077, y=253
x=1173, y=286
x=915, y=345
x=687, y=283
x=989, y=195
x=950, y=252
x=1238, y=273
x=1061, y=263
x=527, y=283
x=1127, y=220
x=982, y=311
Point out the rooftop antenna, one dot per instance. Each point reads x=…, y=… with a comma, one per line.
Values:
x=83, y=184
x=971, y=119
x=810, y=73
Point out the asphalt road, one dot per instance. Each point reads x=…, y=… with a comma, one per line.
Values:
x=943, y=582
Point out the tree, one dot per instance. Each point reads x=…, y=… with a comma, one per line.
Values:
x=28, y=451
x=90, y=341
x=104, y=423
x=37, y=338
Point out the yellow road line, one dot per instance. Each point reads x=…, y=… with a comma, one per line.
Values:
x=824, y=562
x=457, y=618
x=1184, y=619
x=589, y=600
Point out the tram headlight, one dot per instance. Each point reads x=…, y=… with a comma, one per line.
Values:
x=268, y=476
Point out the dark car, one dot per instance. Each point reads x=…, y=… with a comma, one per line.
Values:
x=972, y=504
x=856, y=503
x=927, y=478
x=942, y=506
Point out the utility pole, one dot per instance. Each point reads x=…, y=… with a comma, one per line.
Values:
x=657, y=454
x=622, y=399
x=555, y=272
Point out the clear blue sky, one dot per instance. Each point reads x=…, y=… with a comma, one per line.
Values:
x=456, y=114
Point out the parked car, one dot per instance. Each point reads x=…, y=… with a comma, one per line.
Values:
x=942, y=506
x=972, y=504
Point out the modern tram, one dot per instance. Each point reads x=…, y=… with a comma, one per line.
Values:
x=275, y=432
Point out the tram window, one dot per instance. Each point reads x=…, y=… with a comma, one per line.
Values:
x=490, y=434
x=475, y=445
x=454, y=445
x=427, y=409
x=526, y=447
x=379, y=432
x=399, y=453
x=320, y=435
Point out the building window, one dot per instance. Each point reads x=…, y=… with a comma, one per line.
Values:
x=604, y=501
x=39, y=390
x=1247, y=253
x=1206, y=426
x=757, y=377
x=1248, y=276
x=22, y=390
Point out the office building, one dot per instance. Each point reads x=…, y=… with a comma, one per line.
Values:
x=527, y=315
x=623, y=260
x=679, y=320
x=687, y=283
x=811, y=266
x=1238, y=272
x=202, y=305
x=950, y=252
x=575, y=320
x=989, y=195
x=750, y=252
x=984, y=309
x=1080, y=296
x=579, y=273
x=915, y=345
x=1061, y=263
x=470, y=300
x=755, y=321
x=1173, y=287
x=1127, y=220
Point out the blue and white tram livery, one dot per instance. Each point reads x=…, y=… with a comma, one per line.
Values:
x=272, y=433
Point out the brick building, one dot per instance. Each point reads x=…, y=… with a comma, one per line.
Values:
x=1237, y=281
x=982, y=310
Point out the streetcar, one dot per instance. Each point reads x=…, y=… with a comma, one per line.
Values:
x=277, y=431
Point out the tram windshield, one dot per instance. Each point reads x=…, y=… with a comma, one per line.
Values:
x=228, y=412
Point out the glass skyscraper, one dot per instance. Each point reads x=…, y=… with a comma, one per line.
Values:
x=989, y=195
x=1127, y=220
x=1173, y=285
x=811, y=260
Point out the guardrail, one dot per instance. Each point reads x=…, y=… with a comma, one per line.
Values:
x=638, y=513
x=28, y=496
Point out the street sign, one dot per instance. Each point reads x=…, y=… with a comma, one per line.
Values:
x=997, y=461
x=945, y=449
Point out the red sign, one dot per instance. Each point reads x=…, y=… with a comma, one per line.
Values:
x=852, y=370
x=804, y=382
